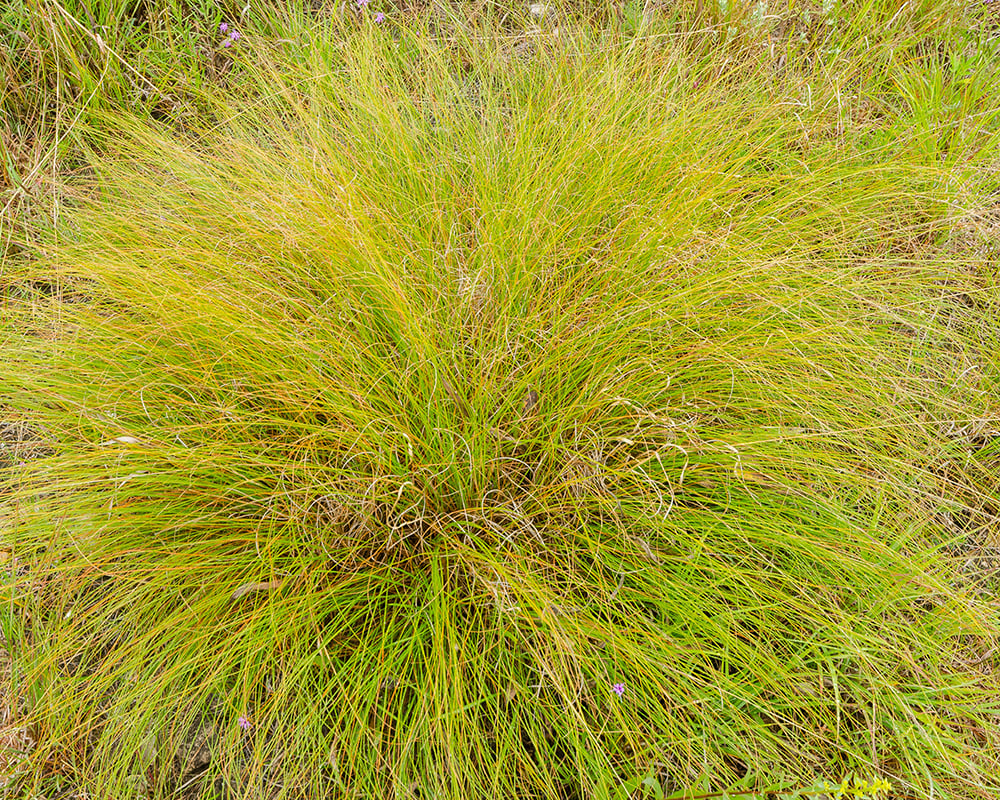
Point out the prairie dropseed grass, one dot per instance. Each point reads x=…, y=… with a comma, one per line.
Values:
x=406, y=399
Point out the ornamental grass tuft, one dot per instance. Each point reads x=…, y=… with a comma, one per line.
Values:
x=411, y=398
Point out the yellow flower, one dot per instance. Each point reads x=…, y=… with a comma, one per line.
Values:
x=856, y=787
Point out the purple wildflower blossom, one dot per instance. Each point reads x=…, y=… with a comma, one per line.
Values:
x=224, y=27
x=618, y=689
x=362, y=3
x=244, y=723
x=227, y=43
x=379, y=16
x=234, y=35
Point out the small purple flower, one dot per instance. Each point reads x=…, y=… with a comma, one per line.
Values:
x=234, y=36
x=379, y=16
x=244, y=723
x=227, y=43
x=618, y=689
x=224, y=27
x=362, y=3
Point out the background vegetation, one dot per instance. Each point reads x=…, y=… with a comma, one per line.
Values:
x=499, y=400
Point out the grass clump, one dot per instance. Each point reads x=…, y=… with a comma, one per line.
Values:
x=432, y=426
